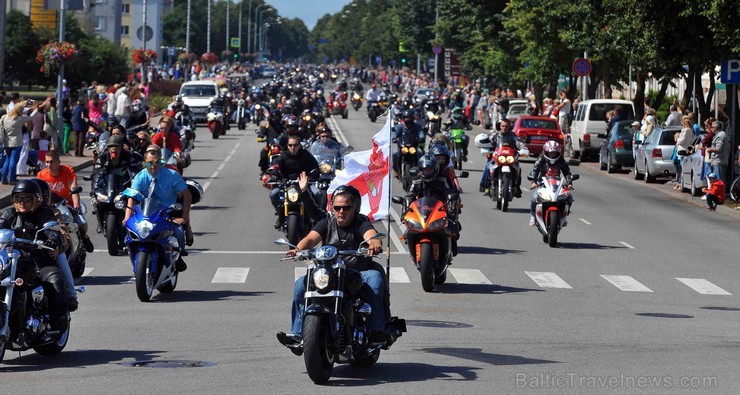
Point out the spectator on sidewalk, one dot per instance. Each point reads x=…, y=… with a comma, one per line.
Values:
x=718, y=151
x=80, y=118
x=12, y=136
x=674, y=117
x=715, y=194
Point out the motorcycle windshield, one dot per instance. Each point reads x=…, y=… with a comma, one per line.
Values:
x=426, y=206
x=457, y=134
x=150, y=206
x=408, y=139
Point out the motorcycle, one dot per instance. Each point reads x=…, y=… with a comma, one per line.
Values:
x=356, y=101
x=553, y=202
x=328, y=166
x=409, y=158
x=429, y=236
x=502, y=175
x=25, y=318
x=377, y=109
x=457, y=135
x=242, y=115
x=335, y=317
x=185, y=121
x=294, y=219
x=433, y=123
x=76, y=254
x=337, y=107
x=104, y=201
x=215, y=120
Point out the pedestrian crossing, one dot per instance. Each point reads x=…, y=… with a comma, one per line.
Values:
x=399, y=275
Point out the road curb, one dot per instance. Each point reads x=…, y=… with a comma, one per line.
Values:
x=5, y=199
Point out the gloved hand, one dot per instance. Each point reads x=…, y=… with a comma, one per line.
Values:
x=266, y=179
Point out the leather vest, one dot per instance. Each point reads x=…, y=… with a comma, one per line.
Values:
x=347, y=239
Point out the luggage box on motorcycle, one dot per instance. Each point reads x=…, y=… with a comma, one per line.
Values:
x=195, y=190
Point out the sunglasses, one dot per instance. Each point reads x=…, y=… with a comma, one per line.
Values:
x=22, y=199
x=324, y=137
x=342, y=208
x=293, y=145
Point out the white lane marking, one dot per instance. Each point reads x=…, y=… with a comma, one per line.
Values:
x=548, y=280
x=626, y=283
x=628, y=245
x=238, y=144
x=87, y=271
x=392, y=234
x=703, y=286
x=469, y=276
x=221, y=166
x=230, y=275
x=228, y=158
x=299, y=271
x=206, y=185
x=214, y=175
x=398, y=275
x=584, y=221
x=250, y=252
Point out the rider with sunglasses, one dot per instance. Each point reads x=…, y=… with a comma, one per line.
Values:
x=288, y=165
x=344, y=230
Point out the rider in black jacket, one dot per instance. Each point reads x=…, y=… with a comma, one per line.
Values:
x=549, y=164
x=25, y=218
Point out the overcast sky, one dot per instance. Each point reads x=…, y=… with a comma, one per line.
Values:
x=308, y=10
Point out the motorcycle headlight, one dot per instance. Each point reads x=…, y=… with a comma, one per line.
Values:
x=509, y=159
x=544, y=196
x=501, y=159
x=293, y=194
x=438, y=224
x=412, y=150
x=436, y=117
x=102, y=198
x=144, y=228
x=325, y=167
x=404, y=150
x=413, y=225
x=321, y=278
x=257, y=106
x=307, y=118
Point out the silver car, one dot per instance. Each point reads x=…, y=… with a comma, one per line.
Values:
x=691, y=169
x=653, y=157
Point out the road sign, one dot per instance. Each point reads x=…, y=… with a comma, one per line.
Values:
x=437, y=50
x=235, y=42
x=730, y=71
x=582, y=67
x=170, y=51
x=323, y=41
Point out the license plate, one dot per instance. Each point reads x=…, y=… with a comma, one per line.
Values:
x=506, y=169
x=540, y=138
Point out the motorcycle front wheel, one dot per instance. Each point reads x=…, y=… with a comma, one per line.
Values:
x=552, y=229
x=54, y=347
x=2, y=350
x=505, y=188
x=111, y=234
x=426, y=267
x=295, y=231
x=144, y=278
x=316, y=354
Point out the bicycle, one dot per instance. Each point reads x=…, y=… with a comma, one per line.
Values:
x=735, y=190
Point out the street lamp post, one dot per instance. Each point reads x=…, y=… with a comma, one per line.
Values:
x=259, y=25
x=249, y=25
x=436, y=37
x=208, y=29
x=263, y=41
x=187, y=30
x=240, y=27
x=228, y=2
x=256, y=26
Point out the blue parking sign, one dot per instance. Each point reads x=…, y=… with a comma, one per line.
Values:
x=730, y=71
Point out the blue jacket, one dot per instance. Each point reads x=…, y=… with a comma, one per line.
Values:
x=78, y=121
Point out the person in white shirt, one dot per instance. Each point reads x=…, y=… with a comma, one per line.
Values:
x=564, y=112
x=123, y=104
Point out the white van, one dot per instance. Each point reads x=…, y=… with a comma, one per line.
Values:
x=590, y=122
x=198, y=96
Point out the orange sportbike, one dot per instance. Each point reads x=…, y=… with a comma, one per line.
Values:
x=429, y=236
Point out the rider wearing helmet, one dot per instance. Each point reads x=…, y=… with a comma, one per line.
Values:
x=446, y=170
x=25, y=218
x=503, y=136
x=138, y=117
x=549, y=164
x=459, y=121
x=410, y=126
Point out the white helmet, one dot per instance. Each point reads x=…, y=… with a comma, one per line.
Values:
x=483, y=140
x=551, y=150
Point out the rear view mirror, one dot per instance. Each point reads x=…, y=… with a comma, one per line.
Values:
x=76, y=190
x=464, y=174
x=575, y=177
x=397, y=199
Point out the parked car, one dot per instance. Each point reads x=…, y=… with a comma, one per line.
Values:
x=536, y=131
x=421, y=94
x=590, y=122
x=268, y=72
x=616, y=147
x=691, y=174
x=653, y=158
x=517, y=107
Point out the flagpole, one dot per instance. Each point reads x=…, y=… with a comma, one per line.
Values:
x=390, y=182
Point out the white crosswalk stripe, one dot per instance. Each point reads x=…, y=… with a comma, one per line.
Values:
x=299, y=271
x=702, y=286
x=87, y=271
x=548, y=280
x=398, y=275
x=626, y=283
x=469, y=276
x=230, y=275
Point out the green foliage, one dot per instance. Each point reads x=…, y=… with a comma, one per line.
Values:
x=99, y=60
x=21, y=45
x=159, y=102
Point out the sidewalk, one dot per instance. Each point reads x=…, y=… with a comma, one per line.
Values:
x=70, y=160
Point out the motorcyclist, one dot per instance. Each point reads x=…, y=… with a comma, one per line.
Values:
x=408, y=125
x=138, y=119
x=167, y=185
x=167, y=137
x=345, y=230
x=504, y=137
x=459, y=121
x=357, y=86
x=25, y=218
x=326, y=145
x=114, y=158
x=372, y=95
x=430, y=184
x=62, y=179
x=219, y=105
x=271, y=129
x=288, y=165
x=446, y=170
x=549, y=164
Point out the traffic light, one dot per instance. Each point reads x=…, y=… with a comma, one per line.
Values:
x=403, y=60
x=236, y=56
x=265, y=58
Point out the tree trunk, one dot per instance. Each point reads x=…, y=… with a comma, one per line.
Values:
x=639, y=100
x=572, y=85
x=661, y=95
x=606, y=76
x=687, y=91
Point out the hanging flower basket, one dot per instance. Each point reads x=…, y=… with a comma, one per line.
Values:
x=53, y=55
x=144, y=56
x=209, y=57
x=187, y=57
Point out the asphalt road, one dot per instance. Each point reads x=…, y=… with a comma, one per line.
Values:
x=515, y=317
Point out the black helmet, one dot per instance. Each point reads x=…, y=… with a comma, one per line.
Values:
x=428, y=167
x=408, y=117
x=350, y=190
x=45, y=191
x=114, y=141
x=28, y=186
x=291, y=122
x=113, y=121
x=440, y=150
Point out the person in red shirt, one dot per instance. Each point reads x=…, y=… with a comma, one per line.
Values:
x=167, y=137
x=715, y=193
x=61, y=179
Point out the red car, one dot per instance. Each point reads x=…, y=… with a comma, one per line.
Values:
x=536, y=131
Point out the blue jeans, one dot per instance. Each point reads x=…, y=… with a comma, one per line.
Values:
x=373, y=278
x=12, y=155
x=484, y=178
x=69, y=282
x=719, y=170
x=712, y=200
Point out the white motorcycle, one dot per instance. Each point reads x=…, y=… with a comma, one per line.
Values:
x=553, y=202
x=242, y=114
